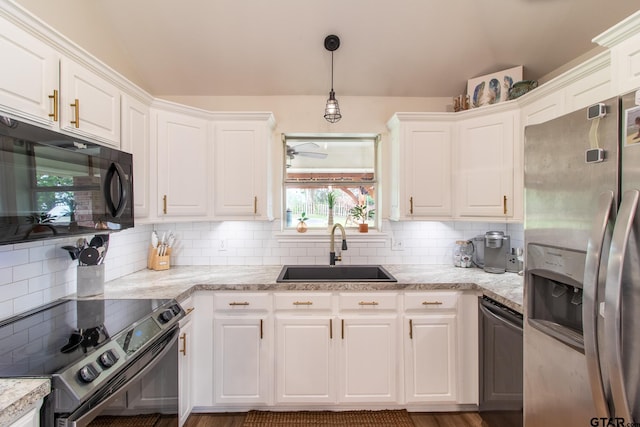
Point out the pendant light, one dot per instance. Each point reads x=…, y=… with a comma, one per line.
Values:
x=332, y=110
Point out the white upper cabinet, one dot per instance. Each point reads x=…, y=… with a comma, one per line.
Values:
x=484, y=166
x=243, y=167
x=623, y=40
x=89, y=104
x=29, y=75
x=135, y=140
x=420, y=166
x=183, y=151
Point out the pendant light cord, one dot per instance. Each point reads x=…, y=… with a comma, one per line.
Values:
x=331, y=71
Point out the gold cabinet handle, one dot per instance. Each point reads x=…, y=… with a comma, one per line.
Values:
x=342, y=329
x=261, y=328
x=183, y=338
x=504, y=204
x=189, y=310
x=330, y=329
x=234, y=303
x=164, y=204
x=55, y=105
x=431, y=302
x=302, y=303
x=368, y=303
x=255, y=205
x=411, y=205
x=76, y=106
x=410, y=329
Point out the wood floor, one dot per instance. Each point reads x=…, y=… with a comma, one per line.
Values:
x=420, y=419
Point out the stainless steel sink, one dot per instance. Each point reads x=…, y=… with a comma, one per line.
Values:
x=334, y=273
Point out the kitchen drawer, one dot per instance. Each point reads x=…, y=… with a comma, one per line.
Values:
x=368, y=301
x=426, y=301
x=241, y=301
x=303, y=301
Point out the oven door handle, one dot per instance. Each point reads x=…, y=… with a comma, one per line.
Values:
x=85, y=418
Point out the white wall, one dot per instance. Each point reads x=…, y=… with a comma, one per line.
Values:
x=32, y=274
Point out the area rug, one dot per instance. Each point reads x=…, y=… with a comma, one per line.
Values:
x=136, y=421
x=387, y=418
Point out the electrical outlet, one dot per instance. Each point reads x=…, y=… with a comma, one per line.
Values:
x=223, y=245
x=397, y=245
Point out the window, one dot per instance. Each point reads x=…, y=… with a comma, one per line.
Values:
x=328, y=175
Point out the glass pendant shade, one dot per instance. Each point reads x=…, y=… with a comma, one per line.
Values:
x=332, y=110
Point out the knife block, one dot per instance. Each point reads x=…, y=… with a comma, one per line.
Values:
x=157, y=262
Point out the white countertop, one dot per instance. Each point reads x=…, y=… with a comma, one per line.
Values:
x=18, y=395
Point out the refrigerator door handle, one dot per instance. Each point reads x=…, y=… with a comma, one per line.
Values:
x=599, y=238
x=627, y=216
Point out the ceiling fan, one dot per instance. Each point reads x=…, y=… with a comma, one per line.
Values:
x=301, y=150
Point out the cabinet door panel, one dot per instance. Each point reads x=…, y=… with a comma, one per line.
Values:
x=368, y=359
x=28, y=75
x=185, y=353
x=305, y=362
x=99, y=108
x=486, y=166
x=241, y=370
x=135, y=140
x=431, y=359
x=242, y=170
x=182, y=165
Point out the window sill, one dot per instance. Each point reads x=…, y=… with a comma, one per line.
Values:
x=323, y=236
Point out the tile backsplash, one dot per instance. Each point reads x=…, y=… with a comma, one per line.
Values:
x=32, y=274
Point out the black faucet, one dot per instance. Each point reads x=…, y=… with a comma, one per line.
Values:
x=332, y=252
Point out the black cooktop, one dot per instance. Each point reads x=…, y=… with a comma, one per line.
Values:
x=46, y=340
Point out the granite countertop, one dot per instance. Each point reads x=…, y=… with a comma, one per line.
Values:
x=17, y=396
x=180, y=282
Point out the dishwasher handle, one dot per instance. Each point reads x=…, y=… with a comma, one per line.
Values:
x=502, y=315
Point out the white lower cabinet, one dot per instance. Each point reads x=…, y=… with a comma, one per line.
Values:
x=185, y=363
x=242, y=352
x=305, y=348
x=368, y=349
x=430, y=347
x=290, y=349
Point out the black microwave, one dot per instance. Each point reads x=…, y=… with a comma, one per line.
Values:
x=55, y=185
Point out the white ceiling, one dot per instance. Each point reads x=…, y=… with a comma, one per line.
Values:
x=420, y=48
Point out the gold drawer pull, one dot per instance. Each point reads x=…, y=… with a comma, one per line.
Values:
x=368, y=303
x=432, y=303
x=183, y=338
x=189, y=310
x=302, y=303
x=239, y=303
x=410, y=329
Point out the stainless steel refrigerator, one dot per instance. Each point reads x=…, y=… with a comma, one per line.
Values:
x=582, y=268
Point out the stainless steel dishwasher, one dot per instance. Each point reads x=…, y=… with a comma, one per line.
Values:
x=501, y=350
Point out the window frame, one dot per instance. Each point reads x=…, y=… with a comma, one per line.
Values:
x=375, y=138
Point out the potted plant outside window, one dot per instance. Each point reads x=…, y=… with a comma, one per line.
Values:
x=360, y=212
